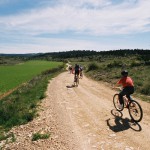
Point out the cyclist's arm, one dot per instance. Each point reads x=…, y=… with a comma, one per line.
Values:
x=116, y=86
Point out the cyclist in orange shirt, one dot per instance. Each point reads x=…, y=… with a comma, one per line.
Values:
x=127, y=84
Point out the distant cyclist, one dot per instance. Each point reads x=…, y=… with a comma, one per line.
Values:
x=127, y=84
x=76, y=70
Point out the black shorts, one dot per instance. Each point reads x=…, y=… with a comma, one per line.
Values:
x=126, y=91
x=76, y=72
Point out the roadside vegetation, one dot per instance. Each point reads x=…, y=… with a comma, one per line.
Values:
x=38, y=136
x=21, y=106
x=109, y=71
x=106, y=67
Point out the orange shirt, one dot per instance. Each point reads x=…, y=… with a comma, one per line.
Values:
x=126, y=81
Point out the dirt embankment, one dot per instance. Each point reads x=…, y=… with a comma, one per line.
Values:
x=82, y=118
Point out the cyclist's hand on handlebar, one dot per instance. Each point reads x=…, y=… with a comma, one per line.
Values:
x=115, y=87
x=118, y=88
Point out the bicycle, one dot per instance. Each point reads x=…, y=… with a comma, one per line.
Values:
x=76, y=80
x=134, y=108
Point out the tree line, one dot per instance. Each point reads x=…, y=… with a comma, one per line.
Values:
x=143, y=54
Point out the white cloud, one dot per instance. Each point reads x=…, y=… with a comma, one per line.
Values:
x=86, y=3
x=85, y=17
x=109, y=20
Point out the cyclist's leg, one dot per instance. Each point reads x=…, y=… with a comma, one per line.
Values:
x=129, y=91
x=126, y=91
x=75, y=74
x=121, y=94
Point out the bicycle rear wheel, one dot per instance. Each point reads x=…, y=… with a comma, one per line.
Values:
x=135, y=111
x=117, y=103
x=77, y=82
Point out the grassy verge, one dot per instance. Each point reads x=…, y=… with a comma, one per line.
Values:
x=111, y=74
x=108, y=70
x=21, y=106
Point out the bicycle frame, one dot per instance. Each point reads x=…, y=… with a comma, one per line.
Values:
x=126, y=101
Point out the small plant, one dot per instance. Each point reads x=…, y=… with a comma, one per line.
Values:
x=136, y=63
x=37, y=136
x=146, y=89
x=21, y=107
x=92, y=66
x=9, y=137
x=115, y=64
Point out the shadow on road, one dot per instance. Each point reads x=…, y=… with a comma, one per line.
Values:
x=70, y=86
x=118, y=123
x=116, y=113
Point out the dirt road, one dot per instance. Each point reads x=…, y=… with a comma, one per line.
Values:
x=82, y=118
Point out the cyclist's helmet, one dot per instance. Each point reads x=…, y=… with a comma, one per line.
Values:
x=76, y=65
x=124, y=73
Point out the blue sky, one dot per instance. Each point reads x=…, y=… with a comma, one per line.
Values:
x=32, y=26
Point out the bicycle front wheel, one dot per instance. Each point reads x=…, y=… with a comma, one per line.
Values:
x=135, y=111
x=117, y=103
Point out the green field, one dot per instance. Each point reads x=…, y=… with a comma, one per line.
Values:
x=14, y=75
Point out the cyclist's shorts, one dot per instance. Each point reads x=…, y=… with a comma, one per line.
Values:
x=76, y=72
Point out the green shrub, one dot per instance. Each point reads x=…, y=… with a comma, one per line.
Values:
x=146, y=89
x=136, y=63
x=37, y=136
x=115, y=63
x=4, y=136
x=92, y=66
x=139, y=83
x=147, y=63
